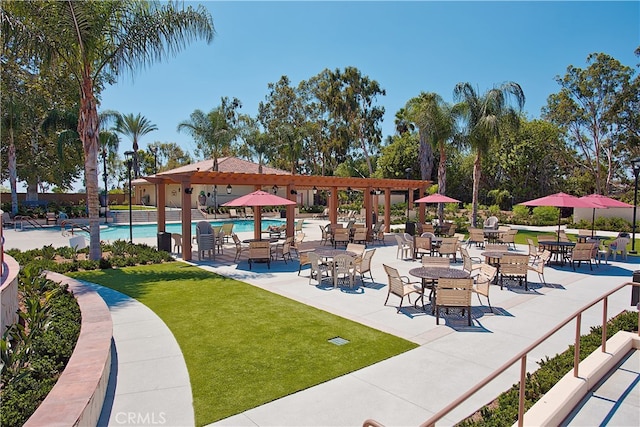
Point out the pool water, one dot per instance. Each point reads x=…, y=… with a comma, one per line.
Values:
x=121, y=231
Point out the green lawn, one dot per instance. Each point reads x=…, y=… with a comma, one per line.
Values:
x=245, y=346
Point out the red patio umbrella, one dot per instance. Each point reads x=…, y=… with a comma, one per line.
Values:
x=562, y=200
x=606, y=202
x=436, y=198
x=257, y=199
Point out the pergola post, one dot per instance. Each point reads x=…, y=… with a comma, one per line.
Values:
x=368, y=196
x=161, y=205
x=387, y=210
x=291, y=209
x=333, y=206
x=186, y=219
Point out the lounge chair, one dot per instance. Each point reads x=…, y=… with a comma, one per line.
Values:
x=233, y=213
x=6, y=220
x=51, y=218
x=324, y=214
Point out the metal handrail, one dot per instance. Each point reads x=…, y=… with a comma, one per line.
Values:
x=73, y=226
x=522, y=357
x=25, y=218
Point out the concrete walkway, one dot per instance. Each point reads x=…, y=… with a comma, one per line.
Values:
x=404, y=390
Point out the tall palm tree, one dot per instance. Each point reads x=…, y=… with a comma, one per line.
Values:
x=215, y=131
x=98, y=40
x=483, y=116
x=435, y=120
x=134, y=127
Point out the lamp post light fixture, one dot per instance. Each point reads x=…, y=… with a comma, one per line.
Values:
x=635, y=164
x=154, y=151
x=274, y=189
x=129, y=161
x=408, y=171
x=106, y=191
x=228, y=188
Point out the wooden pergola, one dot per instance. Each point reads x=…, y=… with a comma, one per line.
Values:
x=372, y=187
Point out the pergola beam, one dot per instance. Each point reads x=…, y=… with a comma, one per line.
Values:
x=287, y=181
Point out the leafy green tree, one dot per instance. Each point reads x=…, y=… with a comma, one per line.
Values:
x=160, y=157
x=400, y=153
x=484, y=115
x=625, y=112
x=530, y=161
x=97, y=41
x=585, y=111
x=215, y=131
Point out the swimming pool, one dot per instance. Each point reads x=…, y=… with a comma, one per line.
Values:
x=121, y=231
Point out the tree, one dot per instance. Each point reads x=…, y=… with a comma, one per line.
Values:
x=283, y=117
x=483, y=117
x=584, y=110
x=353, y=118
x=436, y=125
x=215, y=131
x=400, y=153
x=257, y=145
x=529, y=162
x=134, y=127
x=98, y=41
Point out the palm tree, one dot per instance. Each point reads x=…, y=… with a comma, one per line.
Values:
x=96, y=41
x=435, y=120
x=484, y=115
x=213, y=132
x=134, y=127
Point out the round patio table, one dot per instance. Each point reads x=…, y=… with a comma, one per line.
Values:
x=559, y=250
x=433, y=274
x=330, y=252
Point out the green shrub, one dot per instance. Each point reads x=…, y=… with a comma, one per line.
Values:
x=545, y=215
x=36, y=350
x=520, y=214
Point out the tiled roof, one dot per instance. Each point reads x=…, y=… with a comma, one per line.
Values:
x=227, y=164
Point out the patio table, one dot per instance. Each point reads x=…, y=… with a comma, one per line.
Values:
x=433, y=274
x=559, y=250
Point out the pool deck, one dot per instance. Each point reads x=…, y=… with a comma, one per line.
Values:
x=403, y=390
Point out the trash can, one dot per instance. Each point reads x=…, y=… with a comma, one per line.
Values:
x=410, y=227
x=164, y=241
x=283, y=213
x=635, y=291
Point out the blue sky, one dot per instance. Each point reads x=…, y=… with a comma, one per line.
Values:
x=408, y=47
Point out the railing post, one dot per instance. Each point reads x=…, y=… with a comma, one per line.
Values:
x=605, y=304
x=523, y=375
x=576, y=347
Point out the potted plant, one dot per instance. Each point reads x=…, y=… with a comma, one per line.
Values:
x=202, y=199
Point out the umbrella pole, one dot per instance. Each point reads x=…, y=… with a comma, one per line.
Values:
x=593, y=222
x=559, y=217
x=257, y=222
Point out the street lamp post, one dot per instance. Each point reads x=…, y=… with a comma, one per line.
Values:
x=106, y=191
x=129, y=162
x=215, y=202
x=409, y=226
x=635, y=164
x=154, y=151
